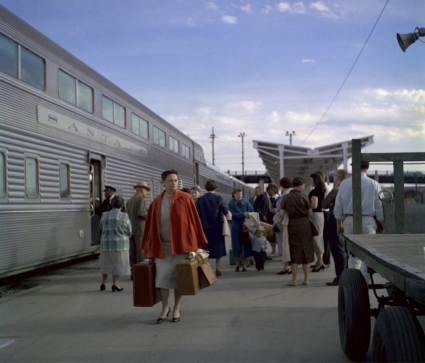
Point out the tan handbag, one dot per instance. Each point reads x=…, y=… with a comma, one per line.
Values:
x=226, y=228
x=206, y=275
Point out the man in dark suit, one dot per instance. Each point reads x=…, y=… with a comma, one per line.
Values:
x=106, y=205
x=261, y=204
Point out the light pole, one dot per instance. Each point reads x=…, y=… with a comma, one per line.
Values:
x=290, y=136
x=212, y=136
x=242, y=135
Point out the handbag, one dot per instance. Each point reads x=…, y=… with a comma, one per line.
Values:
x=244, y=238
x=225, y=229
x=314, y=230
x=206, y=275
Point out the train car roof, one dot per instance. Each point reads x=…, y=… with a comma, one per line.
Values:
x=30, y=35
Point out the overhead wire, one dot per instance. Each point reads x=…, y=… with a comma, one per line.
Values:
x=348, y=75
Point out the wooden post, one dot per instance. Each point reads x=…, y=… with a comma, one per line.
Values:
x=356, y=145
x=399, y=196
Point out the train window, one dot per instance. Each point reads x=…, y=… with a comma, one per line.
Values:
x=31, y=178
x=173, y=144
x=67, y=87
x=2, y=174
x=158, y=136
x=84, y=97
x=75, y=92
x=119, y=115
x=113, y=112
x=8, y=56
x=139, y=126
x=185, y=151
x=31, y=69
x=64, y=181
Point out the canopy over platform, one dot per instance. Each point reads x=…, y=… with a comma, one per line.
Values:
x=287, y=160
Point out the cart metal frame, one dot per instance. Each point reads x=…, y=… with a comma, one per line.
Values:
x=400, y=259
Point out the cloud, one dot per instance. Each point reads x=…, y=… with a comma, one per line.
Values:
x=229, y=19
x=317, y=7
x=283, y=7
x=323, y=10
x=245, y=106
x=267, y=9
x=212, y=5
x=297, y=8
x=246, y=8
x=394, y=117
x=307, y=60
x=274, y=117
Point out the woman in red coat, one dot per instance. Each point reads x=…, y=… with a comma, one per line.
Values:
x=172, y=230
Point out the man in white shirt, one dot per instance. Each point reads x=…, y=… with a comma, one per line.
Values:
x=371, y=207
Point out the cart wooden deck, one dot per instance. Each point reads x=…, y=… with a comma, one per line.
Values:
x=399, y=258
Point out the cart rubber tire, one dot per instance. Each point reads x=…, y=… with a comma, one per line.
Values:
x=398, y=336
x=354, y=314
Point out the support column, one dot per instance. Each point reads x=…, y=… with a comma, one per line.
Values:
x=281, y=161
x=345, y=155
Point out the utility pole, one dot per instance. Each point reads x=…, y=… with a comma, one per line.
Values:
x=290, y=136
x=242, y=135
x=212, y=137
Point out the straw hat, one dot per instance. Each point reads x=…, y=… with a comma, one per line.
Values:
x=142, y=184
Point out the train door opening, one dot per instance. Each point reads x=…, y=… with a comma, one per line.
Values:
x=96, y=171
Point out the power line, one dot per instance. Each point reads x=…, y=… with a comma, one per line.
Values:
x=352, y=67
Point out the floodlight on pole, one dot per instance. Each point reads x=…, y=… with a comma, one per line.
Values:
x=405, y=40
x=212, y=137
x=290, y=136
x=242, y=135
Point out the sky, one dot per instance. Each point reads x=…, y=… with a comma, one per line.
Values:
x=262, y=68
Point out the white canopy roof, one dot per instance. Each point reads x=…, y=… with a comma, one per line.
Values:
x=287, y=160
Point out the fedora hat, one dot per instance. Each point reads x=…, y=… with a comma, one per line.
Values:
x=142, y=184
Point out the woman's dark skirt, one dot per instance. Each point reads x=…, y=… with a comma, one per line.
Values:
x=300, y=241
x=216, y=245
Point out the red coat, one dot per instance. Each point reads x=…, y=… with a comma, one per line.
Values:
x=186, y=232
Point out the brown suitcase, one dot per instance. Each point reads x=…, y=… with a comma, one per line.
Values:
x=144, y=292
x=187, y=276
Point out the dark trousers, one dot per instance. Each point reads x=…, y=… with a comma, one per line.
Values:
x=327, y=253
x=135, y=251
x=337, y=250
x=259, y=258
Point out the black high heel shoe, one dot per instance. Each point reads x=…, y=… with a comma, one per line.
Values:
x=102, y=287
x=321, y=268
x=160, y=320
x=114, y=288
x=176, y=320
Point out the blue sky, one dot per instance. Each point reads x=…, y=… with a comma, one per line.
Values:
x=258, y=67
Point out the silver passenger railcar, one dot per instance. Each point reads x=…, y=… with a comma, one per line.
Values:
x=65, y=133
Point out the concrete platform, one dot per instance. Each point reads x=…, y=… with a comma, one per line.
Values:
x=245, y=317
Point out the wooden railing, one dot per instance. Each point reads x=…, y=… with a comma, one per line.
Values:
x=398, y=159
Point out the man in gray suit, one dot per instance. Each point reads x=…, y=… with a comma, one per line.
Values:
x=137, y=211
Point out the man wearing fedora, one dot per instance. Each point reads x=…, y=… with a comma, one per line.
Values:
x=137, y=211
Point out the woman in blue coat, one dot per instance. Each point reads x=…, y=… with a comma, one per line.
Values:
x=212, y=209
x=240, y=208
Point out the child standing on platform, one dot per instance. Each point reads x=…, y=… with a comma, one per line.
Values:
x=259, y=245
